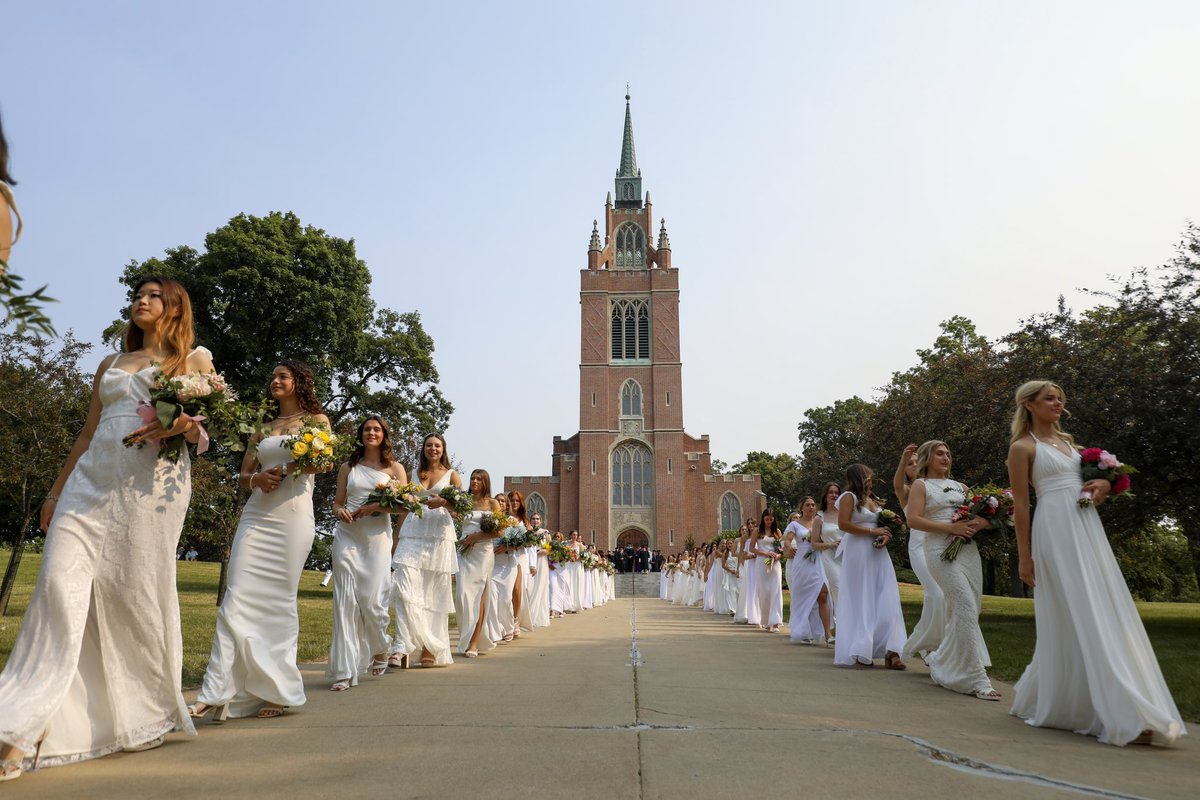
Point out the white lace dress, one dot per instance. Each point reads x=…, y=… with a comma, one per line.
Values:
x=959, y=660
x=98, y=659
x=1093, y=669
x=361, y=574
x=253, y=657
x=422, y=569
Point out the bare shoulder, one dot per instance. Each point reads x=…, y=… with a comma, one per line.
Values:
x=200, y=360
x=396, y=470
x=1022, y=448
x=321, y=419
x=493, y=504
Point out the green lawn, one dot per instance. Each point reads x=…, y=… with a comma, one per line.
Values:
x=1174, y=628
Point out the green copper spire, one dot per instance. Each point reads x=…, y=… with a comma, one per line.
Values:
x=629, y=177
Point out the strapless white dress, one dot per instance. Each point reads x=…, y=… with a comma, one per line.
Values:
x=422, y=571
x=253, y=657
x=473, y=586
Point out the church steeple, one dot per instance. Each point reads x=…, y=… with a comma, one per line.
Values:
x=629, y=177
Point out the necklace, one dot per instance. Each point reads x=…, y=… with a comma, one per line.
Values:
x=290, y=416
x=1053, y=444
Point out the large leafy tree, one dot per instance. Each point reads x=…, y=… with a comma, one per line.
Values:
x=44, y=400
x=782, y=481
x=269, y=288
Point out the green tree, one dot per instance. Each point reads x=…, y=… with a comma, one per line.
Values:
x=269, y=288
x=44, y=399
x=782, y=479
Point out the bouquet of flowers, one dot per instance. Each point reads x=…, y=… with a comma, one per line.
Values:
x=893, y=522
x=1097, y=463
x=461, y=501
x=776, y=553
x=589, y=559
x=811, y=555
x=315, y=446
x=560, y=553
x=608, y=568
x=202, y=397
x=396, y=496
x=513, y=534
x=989, y=502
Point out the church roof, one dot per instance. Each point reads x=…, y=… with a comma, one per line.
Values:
x=629, y=167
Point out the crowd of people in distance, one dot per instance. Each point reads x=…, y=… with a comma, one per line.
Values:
x=1093, y=669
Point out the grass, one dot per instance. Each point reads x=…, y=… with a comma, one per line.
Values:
x=1008, y=627
x=1007, y=624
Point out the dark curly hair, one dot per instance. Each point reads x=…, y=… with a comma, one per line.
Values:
x=386, y=457
x=306, y=386
x=4, y=174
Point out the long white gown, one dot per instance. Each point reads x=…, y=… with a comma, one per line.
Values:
x=927, y=634
x=538, y=596
x=679, y=589
x=959, y=660
x=361, y=574
x=750, y=587
x=1093, y=669
x=730, y=580
x=526, y=561
x=870, y=623
x=559, y=591
x=98, y=659
x=422, y=567
x=768, y=587
x=831, y=557
x=500, y=619
x=253, y=657
x=573, y=602
x=473, y=587
x=805, y=580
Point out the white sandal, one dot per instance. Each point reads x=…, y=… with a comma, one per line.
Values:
x=379, y=667
x=988, y=694
x=340, y=686
x=10, y=770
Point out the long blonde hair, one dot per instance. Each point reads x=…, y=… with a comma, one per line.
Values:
x=1022, y=422
x=925, y=451
x=176, y=331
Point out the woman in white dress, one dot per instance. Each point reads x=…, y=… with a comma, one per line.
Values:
x=425, y=561
x=699, y=570
x=825, y=537
x=683, y=577
x=362, y=554
x=712, y=577
x=501, y=616
x=927, y=634
x=768, y=580
x=1093, y=669
x=960, y=659
x=475, y=560
x=747, y=609
x=558, y=583
x=516, y=507
x=666, y=579
x=252, y=666
x=112, y=519
x=574, y=602
x=729, y=575
x=809, y=618
x=538, y=596
x=870, y=624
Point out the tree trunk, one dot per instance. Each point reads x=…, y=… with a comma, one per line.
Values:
x=14, y=563
x=989, y=576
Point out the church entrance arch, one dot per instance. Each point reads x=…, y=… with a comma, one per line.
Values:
x=633, y=538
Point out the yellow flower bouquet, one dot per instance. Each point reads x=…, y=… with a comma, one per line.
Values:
x=315, y=447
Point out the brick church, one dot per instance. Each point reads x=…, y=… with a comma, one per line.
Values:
x=632, y=475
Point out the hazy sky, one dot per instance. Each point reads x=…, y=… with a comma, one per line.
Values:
x=837, y=178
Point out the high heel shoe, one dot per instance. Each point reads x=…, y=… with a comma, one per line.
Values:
x=398, y=660
x=220, y=713
x=144, y=746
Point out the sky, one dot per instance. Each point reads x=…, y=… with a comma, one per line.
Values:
x=836, y=178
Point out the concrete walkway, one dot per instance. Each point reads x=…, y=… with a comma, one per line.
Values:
x=637, y=699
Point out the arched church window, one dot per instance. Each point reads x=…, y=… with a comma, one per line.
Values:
x=631, y=399
x=632, y=475
x=731, y=512
x=630, y=250
x=630, y=329
x=536, y=504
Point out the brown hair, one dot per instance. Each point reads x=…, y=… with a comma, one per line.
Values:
x=858, y=483
x=821, y=504
x=385, y=446
x=306, y=386
x=519, y=499
x=175, y=329
x=486, y=479
x=423, y=466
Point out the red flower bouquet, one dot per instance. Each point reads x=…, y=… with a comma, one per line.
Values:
x=1098, y=463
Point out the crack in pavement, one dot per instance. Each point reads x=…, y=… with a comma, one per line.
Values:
x=635, y=660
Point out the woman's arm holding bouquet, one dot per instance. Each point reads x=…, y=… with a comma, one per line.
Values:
x=266, y=481
x=963, y=529
x=339, y=501
x=845, y=507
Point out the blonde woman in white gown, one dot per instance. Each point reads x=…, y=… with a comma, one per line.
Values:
x=475, y=560
x=825, y=537
x=252, y=665
x=1093, y=669
x=927, y=634
x=501, y=616
x=961, y=657
x=96, y=665
x=425, y=561
x=768, y=578
x=870, y=624
x=362, y=554
x=810, y=618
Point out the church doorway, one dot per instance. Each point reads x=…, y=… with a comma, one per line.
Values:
x=633, y=538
